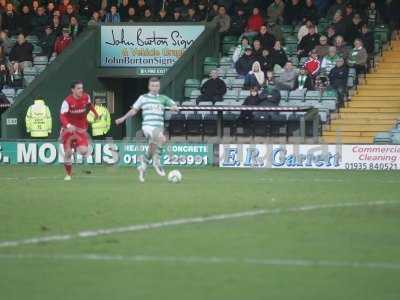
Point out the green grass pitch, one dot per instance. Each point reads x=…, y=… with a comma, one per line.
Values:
x=330, y=252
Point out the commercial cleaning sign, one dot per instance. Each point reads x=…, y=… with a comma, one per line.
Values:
x=345, y=157
x=146, y=46
x=107, y=153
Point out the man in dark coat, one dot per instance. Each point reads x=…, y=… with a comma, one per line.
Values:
x=213, y=89
x=244, y=64
x=266, y=39
x=308, y=42
x=338, y=78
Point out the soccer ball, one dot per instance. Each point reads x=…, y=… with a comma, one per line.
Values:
x=174, y=176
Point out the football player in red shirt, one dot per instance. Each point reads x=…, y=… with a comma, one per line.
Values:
x=73, y=134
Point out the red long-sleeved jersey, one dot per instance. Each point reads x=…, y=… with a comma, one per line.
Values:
x=74, y=111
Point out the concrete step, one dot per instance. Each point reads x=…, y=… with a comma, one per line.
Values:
x=346, y=140
x=395, y=75
x=379, y=87
x=343, y=115
x=385, y=81
x=370, y=110
x=378, y=93
x=350, y=133
x=373, y=104
x=359, y=128
x=364, y=121
x=372, y=96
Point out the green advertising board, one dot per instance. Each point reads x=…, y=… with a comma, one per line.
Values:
x=104, y=152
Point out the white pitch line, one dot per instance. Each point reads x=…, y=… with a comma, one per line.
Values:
x=206, y=260
x=185, y=221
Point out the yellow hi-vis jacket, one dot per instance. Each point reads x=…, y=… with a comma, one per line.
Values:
x=102, y=125
x=38, y=119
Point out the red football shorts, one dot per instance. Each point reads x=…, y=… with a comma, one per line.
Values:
x=74, y=139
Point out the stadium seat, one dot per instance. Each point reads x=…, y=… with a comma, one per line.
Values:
x=10, y=94
x=194, y=95
x=28, y=80
x=210, y=124
x=313, y=96
x=228, y=42
x=40, y=60
x=30, y=71
x=225, y=62
x=193, y=123
x=36, y=50
x=210, y=63
x=205, y=103
x=231, y=73
x=32, y=39
x=261, y=124
x=278, y=125
x=298, y=95
x=231, y=95
x=293, y=124
x=190, y=85
x=228, y=83
x=40, y=68
x=243, y=94
x=237, y=83
x=284, y=96
x=177, y=124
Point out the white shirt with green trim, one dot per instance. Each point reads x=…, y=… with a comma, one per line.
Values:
x=153, y=107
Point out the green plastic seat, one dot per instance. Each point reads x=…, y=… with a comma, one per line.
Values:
x=190, y=85
x=210, y=63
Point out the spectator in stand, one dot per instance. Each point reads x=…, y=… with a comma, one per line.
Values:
x=213, y=89
x=312, y=64
x=75, y=27
x=338, y=5
x=278, y=55
x=113, y=16
x=310, y=11
x=372, y=14
x=246, y=117
x=255, y=77
x=338, y=79
x=5, y=42
x=291, y=14
x=270, y=96
x=21, y=55
x=331, y=35
x=47, y=41
x=223, y=20
x=308, y=43
x=254, y=23
x=341, y=48
x=329, y=61
x=305, y=29
x=213, y=12
x=62, y=41
x=245, y=62
x=276, y=31
x=133, y=18
x=245, y=6
x=303, y=81
x=358, y=57
x=56, y=25
x=348, y=15
x=202, y=10
x=270, y=79
x=267, y=39
x=287, y=78
x=95, y=20
x=339, y=24
x=240, y=49
x=176, y=17
x=192, y=15
x=4, y=72
x=50, y=9
x=62, y=7
x=353, y=31
x=184, y=8
x=141, y=8
x=323, y=47
x=238, y=22
x=39, y=21
x=66, y=17
x=265, y=61
x=275, y=11
x=367, y=38
x=123, y=10
x=148, y=16
x=88, y=7
x=24, y=20
x=257, y=50
x=35, y=6
x=9, y=20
